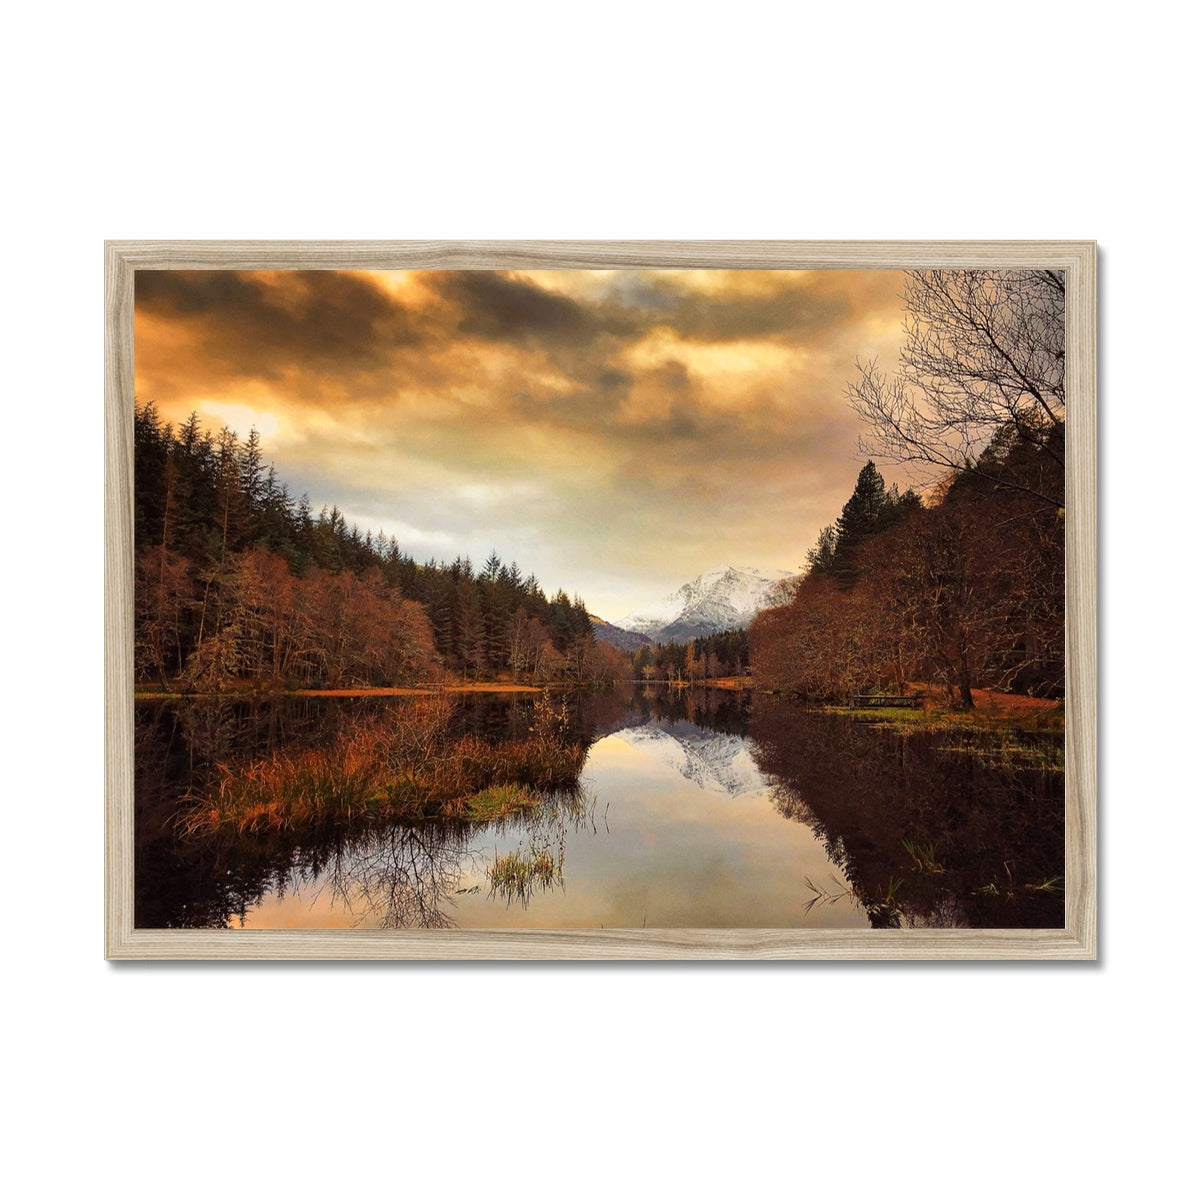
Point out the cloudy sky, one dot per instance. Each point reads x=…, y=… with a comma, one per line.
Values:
x=614, y=432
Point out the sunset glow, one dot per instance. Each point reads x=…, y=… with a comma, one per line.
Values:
x=609, y=431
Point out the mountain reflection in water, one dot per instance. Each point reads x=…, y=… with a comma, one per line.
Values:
x=714, y=762
x=692, y=811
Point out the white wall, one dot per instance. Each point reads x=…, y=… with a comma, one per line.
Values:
x=750, y=121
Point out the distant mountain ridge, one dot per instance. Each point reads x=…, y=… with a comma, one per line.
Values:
x=717, y=600
x=623, y=639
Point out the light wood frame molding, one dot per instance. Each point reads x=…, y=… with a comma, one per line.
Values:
x=1077, y=940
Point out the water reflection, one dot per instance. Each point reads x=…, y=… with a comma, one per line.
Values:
x=694, y=810
x=928, y=834
x=719, y=762
x=688, y=838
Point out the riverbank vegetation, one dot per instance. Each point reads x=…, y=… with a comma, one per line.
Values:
x=405, y=765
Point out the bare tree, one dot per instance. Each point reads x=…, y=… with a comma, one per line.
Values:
x=981, y=376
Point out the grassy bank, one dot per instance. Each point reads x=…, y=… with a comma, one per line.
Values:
x=400, y=767
x=154, y=691
x=993, y=711
x=728, y=683
x=1000, y=731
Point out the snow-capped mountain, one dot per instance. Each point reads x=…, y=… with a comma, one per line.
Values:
x=720, y=599
x=714, y=762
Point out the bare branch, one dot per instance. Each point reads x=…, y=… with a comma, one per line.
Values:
x=983, y=354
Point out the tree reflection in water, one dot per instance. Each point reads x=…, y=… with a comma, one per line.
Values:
x=404, y=876
x=401, y=877
x=926, y=834
x=393, y=874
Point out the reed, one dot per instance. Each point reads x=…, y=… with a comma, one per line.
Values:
x=519, y=874
x=403, y=768
x=924, y=855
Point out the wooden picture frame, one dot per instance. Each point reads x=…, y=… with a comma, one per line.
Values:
x=1077, y=940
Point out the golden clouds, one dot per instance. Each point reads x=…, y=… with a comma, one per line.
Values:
x=564, y=416
x=241, y=417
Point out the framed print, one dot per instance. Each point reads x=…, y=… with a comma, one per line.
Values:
x=615, y=600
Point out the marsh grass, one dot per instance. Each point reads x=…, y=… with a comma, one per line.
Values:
x=536, y=864
x=405, y=766
x=991, y=734
x=501, y=800
x=1011, y=749
x=1053, y=884
x=924, y=856
x=823, y=895
x=1010, y=888
x=519, y=874
x=993, y=714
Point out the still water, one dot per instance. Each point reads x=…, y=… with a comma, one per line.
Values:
x=706, y=810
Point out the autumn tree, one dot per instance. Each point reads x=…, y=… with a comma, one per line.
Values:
x=805, y=647
x=163, y=593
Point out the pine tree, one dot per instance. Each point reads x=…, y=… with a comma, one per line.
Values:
x=859, y=515
x=822, y=556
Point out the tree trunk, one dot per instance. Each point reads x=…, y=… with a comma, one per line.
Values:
x=964, y=687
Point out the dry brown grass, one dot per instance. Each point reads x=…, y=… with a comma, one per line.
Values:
x=406, y=766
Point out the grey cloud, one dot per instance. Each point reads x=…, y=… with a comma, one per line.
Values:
x=495, y=306
x=254, y=326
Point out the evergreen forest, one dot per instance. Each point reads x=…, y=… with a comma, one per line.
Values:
x=237, y=581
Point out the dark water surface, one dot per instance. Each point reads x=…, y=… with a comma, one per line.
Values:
x=702, y=811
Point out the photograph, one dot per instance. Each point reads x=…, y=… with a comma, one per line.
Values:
x=641, y=598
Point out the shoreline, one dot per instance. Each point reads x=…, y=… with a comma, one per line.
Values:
x=993, y=710
x=157, y=692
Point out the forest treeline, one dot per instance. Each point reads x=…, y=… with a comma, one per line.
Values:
x=964, y=590
x=715, y=656
x=238, y=580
